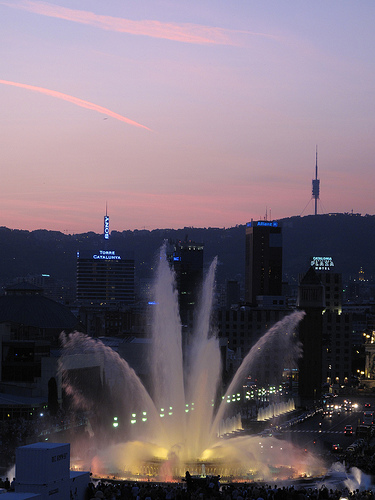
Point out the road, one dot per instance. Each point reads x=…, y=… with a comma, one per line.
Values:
x=319, y=433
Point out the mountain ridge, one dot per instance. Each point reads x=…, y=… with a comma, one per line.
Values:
x=348, y=238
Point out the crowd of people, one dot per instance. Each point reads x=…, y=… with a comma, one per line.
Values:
x=209, y=488
x=5, y=484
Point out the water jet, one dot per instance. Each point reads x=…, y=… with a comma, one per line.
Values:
x=176, y=426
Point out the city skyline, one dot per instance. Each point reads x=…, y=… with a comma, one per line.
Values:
x=176, y=115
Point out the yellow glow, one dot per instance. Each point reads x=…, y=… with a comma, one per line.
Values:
x=207, y=454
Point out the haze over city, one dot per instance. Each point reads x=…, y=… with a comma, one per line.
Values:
x=205, y=113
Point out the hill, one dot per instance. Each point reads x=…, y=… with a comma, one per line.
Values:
x=348, y=238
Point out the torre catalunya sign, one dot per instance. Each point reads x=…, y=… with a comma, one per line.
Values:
x=106, y=255
x=102, y=255
x=322, y=263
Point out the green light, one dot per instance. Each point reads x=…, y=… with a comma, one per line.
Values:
x=115, y=424
x=134, y=415
x=144, y=419
x=133, y=421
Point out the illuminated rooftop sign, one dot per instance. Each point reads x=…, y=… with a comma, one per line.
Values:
x=322, y=263
x=264, y=223
x=106, y=227
x=106, y=255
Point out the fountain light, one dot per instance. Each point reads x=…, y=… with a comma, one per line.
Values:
x=186, y=438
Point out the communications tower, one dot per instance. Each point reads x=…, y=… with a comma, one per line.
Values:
x=316, y=183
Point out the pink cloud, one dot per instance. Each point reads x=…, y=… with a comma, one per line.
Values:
x=76, y=101
x=182, y=32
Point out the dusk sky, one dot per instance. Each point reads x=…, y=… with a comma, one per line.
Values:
x=201, y=113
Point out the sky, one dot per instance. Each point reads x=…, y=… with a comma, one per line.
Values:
x=175, y=114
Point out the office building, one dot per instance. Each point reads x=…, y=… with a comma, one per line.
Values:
x=263, y=267
x=103, y=276
x=186, y=258
x=311, y=299
x=242, y=325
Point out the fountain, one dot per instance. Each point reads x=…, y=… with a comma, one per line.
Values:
x=274, y=410
x=338, y=477
x=178, y=428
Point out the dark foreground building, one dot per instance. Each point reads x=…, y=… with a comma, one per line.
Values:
x=30, y=327
x=263, y=267
x=186, y=258
x=311, y=299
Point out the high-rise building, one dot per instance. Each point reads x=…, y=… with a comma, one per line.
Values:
x=337, y=325
x=325, y=331
x=186, y=258
x=263, y=267
x=105, y=277
x=311, y=299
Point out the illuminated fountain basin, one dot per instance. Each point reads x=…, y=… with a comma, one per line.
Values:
x=275, y=409
x=176, y=427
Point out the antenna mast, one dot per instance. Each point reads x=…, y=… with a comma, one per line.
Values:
x=316, y=183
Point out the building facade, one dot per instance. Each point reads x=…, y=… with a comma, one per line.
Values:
x=337, y=326
x=186, y=258
x=263, y=266
x=325, y=332
x=105, y=277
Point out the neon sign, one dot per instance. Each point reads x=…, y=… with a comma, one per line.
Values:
x=322, y=263
x=106, y=227
x=268, y=224
x=263, y=223
x=106, y=255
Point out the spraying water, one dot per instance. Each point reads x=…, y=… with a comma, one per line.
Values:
x=177, y=427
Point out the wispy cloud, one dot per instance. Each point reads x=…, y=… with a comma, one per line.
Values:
x=181, y=32
x=76, y=101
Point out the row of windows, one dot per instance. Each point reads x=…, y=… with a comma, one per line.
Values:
x=250, y=316
x=344, y=368
x=338, y=328
x=337, y=318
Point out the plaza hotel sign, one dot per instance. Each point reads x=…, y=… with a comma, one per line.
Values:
x=322, y=263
